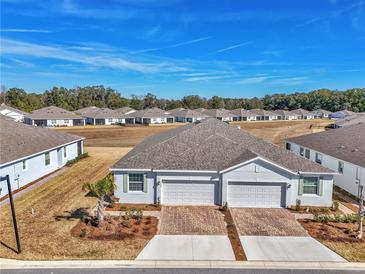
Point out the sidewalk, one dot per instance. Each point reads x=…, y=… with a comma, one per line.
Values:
x=15, y=264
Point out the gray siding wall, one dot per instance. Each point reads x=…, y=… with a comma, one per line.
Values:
x=347, y=180
x=36, y=168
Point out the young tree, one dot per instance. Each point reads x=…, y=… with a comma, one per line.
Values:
x=101, y=189
x=361, y=211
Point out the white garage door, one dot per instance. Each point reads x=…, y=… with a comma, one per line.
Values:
x=188, y=193
x=255, y=194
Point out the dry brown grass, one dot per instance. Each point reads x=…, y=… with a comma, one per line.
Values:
x=44, y=237
x=353, y=252
x=277, y=131
x=116, y=136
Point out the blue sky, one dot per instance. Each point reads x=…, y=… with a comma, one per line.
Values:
x=175, y=48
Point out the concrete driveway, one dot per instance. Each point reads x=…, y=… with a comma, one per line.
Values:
x=275, y=235
x=189, y=233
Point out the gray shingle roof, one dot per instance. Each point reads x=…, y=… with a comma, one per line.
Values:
x=209, y=145
x=124, y=110
x=343, y=143
x=218, y=113
x=300, y=111
x=285, y=113
x=53, y=112
x=358, y=118
x=151, y=113
x=87, y=110
x=19, y=140
x=242, y=112
x=262, y=112
x=187, y=113
x=6, y=107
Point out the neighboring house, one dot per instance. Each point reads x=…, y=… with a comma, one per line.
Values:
x=186, y=115
x=358, y=118
x=241, y=114
x=53, y=117
x=16, y=114
x=321, y=113
x=286, y=115
x=221, y=114
x=303, y=114
x=125, y=110
x=29, y=153
x=152, y=116
x=200, y=109
x=262, y=114
x=213, y=163
x=104, y=116
x=342, y=114
x=340, y=149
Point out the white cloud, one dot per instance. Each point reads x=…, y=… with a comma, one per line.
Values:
x=205, y=78
x=233, y=47
x=27, y=30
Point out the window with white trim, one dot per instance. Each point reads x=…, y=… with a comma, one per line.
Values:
x=65, y=121
x=53, y=121
x=47, y=159
x=311, y=185
x=24, y=165
x=318, y=158
x=64, y=152
x=341, y=165
x=307, y=153
x=301, y=151
x=110, y=120
x=135, y=182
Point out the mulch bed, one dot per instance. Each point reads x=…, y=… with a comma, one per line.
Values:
x=117, y=229
x=334, y=232
x=125, y=207
x=234, y=237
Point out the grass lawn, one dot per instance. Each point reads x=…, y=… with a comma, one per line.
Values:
x=47, y=234
x=353, y=252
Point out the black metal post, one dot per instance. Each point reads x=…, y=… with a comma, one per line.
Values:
x=19, y=250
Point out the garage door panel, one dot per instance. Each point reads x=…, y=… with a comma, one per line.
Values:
x=256, y=194
x=189, y=192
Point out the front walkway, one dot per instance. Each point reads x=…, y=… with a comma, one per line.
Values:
x=273, y=234
x=189, y=233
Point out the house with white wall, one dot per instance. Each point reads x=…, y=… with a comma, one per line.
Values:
x=29, y=153
x=16, y=114
x=342, y=114
x=213, y=163
x=262, y=114
x=342, y=150
x=321, y=113
x=53, y=117
x=102, y=116
x=152, y=116
x=220, y=114
x=183, y=115
x=241, y=114
x=286, y=115
x=303, y=114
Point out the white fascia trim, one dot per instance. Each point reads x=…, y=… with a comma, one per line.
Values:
x=318, y=173
x=185, y=171
x=256, y=158
x=34, y=154
x=129, y=169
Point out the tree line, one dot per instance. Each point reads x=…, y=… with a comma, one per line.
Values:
x=100, y=96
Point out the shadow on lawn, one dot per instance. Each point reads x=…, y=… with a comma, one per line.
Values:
x=72, y=215
x=9, y=247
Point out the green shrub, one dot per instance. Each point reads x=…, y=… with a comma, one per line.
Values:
x=112, y=204
x=78, y=158
x=83, y=233
x=321, y=218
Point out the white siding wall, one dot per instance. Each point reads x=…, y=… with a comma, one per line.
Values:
x=346, y=180
x=12, y=114
x=36, y=168
x=60, y=123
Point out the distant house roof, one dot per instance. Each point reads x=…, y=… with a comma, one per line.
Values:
x=285, y=113
x=6, y=107
x=343, y=143
x=200, y=109
x=342, y=113
x=262, y=112
x=104, y=113
x=125, y=110
x=354, y=119
x=300, y=111
x=151, y=113
x=209, y=145
x=18, y=140
x=218, y=113
x=175, y=110
x=322, y=111
x=241, y=112
x=52, y=112
x=188, y=113
x=87, y=110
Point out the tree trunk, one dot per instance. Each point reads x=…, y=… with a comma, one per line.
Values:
x=100, y=211
x=361, y=212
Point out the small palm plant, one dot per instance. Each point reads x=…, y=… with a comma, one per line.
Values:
x=101, y=189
